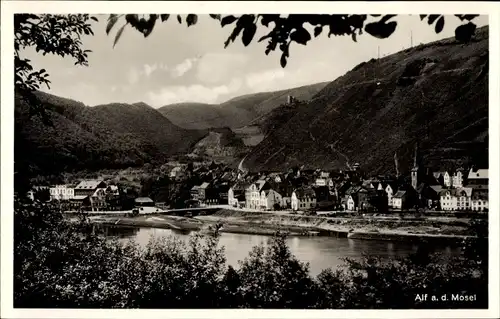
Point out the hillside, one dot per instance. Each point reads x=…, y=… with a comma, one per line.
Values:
x=221, y=144
x=236, y=112
x=434, y=94
x=104, y=136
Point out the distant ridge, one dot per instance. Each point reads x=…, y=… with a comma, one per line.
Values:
x=236, y=112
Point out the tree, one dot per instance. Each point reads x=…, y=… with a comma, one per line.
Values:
x=48, y=34
x=292, y=28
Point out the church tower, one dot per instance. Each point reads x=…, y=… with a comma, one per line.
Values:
x=414, y=170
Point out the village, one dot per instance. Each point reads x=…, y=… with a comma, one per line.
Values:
x=297, y=190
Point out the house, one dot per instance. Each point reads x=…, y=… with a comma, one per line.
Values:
x=457, y=199
x=390, y=190
x=98, y=200
x=195, y=192
x=144, y=202
x=457, y=178
x=252, y=193
x=399, y=200
x=439, y=176
x=270, y=199
x=236, y=194
x=477, y=177
x=61, y=192
x=479, y=200
x=447, y=180
x=303, y=199
x=464, y=196
x=88, y=187
x=428, y=196
x=448, y=200
x=176, y=173
x=86, y=195
x=352, y=199
x=202, y=191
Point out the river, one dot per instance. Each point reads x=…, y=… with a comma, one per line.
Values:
x=319, y=252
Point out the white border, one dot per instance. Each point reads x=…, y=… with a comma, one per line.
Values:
x=9, y=8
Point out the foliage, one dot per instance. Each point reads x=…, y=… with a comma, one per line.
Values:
x=48, y=34
x=292, y=28
x=61, y=264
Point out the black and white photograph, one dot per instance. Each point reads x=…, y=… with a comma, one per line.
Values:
x=183, y=159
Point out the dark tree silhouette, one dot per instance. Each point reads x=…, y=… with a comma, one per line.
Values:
x=292, y=28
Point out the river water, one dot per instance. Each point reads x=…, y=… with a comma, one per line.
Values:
x=319, y=252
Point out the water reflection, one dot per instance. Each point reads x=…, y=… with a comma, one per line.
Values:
x=319, y=252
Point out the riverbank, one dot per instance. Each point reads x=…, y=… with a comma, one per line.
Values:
x=449, y=230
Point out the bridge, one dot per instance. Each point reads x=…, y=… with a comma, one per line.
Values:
x=195, y=209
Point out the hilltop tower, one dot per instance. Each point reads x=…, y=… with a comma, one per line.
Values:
x=414, y=170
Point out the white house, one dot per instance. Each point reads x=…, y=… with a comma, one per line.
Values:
x=303, y=199
x=390, y=193
x=252, y=194
x=320, y=182
x=456, y=199
x=457, y=179
x=464, y=195
x=236, y=195
x=399, y=200
x=269, y=198
x=478, y=177
x=351, y=203
x=448, y=200
x=61, y=192
x=447, y=179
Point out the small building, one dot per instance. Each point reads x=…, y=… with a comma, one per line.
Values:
x=61, y=192
x=399, y=200
x=144, y=202
x=270, y=199
x=202, y=191
x=303, y=199
x=88, y=187
x=479, y=200
x=195, y=192
x=253, y=193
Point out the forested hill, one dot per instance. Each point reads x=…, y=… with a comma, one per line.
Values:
x=104, y=136
x=434, y=94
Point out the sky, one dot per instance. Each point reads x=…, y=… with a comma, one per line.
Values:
x=178, y=64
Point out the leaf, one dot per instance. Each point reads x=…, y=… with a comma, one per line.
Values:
x=283, y=61
x=432, y=18
x=119, y=34
x=422, y=16
x=380, y=30
x=439, y=25
x=317, y=31
x=227, y=20
x=164, y=17
x=215, y=16
x=179, y=19
x=267, y=36
x=300, y=36
x=191, y=19
x=248, y=34
x=353, y=36
x=94, y=18
x=113, y=18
